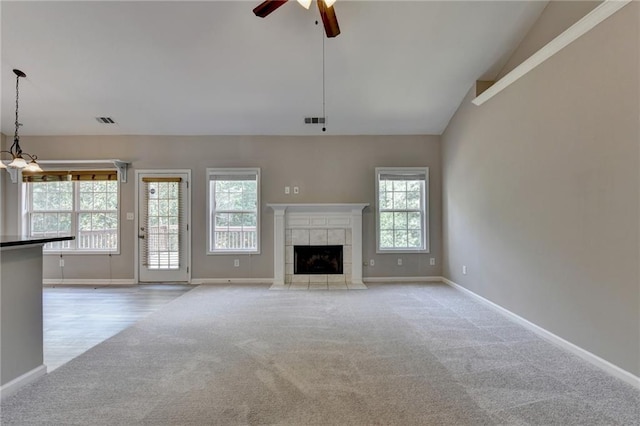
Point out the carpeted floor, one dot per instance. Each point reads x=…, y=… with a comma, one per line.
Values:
x=391, y=355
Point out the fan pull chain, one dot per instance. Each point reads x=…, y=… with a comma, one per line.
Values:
x=324, y=128
x=324, y=116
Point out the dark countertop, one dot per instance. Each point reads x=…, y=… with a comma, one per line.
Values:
x=13, y=240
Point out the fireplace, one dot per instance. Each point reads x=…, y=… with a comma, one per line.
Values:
x=319, y=227
x=326, y=260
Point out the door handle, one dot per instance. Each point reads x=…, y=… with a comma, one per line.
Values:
x=141, y=237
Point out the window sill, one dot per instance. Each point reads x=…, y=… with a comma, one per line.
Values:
x=217, y=253
x=403, y=251
x=79, y=252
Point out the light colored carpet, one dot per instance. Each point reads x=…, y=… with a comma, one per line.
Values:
x=392, y=355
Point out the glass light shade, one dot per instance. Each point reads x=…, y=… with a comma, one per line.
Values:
x=329, y=3
x=33, y=167
x=305, y=3
x=18, y=163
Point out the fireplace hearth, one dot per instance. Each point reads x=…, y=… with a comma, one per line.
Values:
x=325, y=260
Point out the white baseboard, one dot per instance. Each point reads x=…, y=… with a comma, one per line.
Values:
x=13, y=386
x=595, y=360
x=76, y=281
x=198, y=281
x=402, y=279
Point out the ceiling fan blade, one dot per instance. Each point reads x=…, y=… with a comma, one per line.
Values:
x=268, y=6
x=329, y=19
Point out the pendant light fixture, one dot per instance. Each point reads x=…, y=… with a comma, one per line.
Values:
x=18, y=161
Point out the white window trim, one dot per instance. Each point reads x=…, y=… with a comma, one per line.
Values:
x=425, y=200
x=25, y=225
x=233, y=171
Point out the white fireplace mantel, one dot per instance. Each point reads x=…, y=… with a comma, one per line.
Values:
x=319, y=215
x=320, y=207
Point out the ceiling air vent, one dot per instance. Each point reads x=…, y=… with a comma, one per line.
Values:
x=105, y=120
x=314, y=120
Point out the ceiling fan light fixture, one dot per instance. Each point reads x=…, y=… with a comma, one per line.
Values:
x=327, y=13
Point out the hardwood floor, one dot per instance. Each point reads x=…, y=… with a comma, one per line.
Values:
x=78, y=318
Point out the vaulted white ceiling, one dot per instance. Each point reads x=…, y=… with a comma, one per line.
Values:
x=213, y=68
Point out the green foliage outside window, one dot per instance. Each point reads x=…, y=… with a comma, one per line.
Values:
x=86, y=209
x=400, y=213
x=234, y=214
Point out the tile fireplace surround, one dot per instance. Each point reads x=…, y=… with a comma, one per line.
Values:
x=318, y=224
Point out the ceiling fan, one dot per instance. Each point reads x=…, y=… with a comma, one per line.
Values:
x=325, y=7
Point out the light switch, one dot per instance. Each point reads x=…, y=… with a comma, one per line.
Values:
x=287, y=190
x=296, y=190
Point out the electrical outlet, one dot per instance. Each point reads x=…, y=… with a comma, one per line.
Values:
x=399, y=261
x=372, y=262
x=287, y=190
x=236, y=262
x=62, y=263
x=130, y=216
x=464, y=269
x=296, y=190
x=432, y=261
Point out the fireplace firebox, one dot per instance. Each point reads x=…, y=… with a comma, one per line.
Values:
x=325, y=260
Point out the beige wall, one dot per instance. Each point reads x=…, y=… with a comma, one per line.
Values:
x=2, y=186
x=327, y=170
x=541, y=194
x=556, y=17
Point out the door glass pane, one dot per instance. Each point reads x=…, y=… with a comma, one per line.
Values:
x=163, y=229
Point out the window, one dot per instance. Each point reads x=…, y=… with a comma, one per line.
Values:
x=233, y=200
x=87, y=209
x=402, y=201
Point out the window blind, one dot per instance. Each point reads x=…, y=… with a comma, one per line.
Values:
x=233, y=176
x=162, y=179
x=403, y=176
x=70, y=175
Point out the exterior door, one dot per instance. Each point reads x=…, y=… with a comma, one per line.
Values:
x=163, y=229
